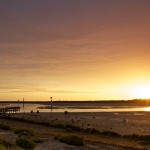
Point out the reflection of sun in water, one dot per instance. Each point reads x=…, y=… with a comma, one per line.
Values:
x=147, y=109
x=142, y=92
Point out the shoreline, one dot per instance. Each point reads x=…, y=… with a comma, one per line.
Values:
x=123, y=123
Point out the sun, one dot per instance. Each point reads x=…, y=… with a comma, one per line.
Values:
x=142, y=92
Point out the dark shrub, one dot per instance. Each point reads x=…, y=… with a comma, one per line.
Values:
x=46, y=124
x=138, y=137
x=38, y=140
x=146, y=138
x=4, y=126
x=133, y=136
x=110, y=133
x=57, y=137
x=69, y=130
x=25, y=142
x=73, y=127
x=29, y=132
x=70, y=139
x=59, y=125
x=5, y=142
x=92, y=130
x=66, y=112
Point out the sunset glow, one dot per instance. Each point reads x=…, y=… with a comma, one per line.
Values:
x=142, y=92
x=74, y=50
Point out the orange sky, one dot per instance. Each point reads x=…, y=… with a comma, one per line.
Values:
x=74, y=50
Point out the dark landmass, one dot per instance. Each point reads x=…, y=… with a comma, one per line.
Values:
x=97, y=102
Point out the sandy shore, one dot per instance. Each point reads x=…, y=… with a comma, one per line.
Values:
x=122, y=123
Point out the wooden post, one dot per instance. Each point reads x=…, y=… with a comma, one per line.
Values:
x=51, y=103
x=23, y=105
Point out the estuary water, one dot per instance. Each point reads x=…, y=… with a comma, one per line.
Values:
x=28, y=107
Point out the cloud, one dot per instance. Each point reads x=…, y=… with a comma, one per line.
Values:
x=16, y=90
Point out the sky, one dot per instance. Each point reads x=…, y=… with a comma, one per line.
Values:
x=74, y=49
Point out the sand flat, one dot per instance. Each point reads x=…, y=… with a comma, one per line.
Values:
x=120, y=122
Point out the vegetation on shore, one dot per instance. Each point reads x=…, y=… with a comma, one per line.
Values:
x=24, y=131
x=4, y=126
x=89, y=134
x=25, y=142
x=6, y=144
x=71, y=139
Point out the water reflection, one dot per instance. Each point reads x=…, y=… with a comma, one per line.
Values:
x=35, y=107
x=147, y=109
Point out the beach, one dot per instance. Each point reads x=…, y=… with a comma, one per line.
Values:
x=103, y=125
x=123, y=123
x=88, y=125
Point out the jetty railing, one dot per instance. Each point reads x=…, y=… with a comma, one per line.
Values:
x=9, y=109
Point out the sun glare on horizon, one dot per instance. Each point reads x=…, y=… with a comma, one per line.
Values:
x=142, y=91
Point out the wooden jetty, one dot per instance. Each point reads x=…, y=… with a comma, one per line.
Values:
x=9, y=109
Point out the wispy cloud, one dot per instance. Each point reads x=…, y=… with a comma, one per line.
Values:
x=51, y=45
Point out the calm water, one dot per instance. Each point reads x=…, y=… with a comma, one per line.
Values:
x=83, y=108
